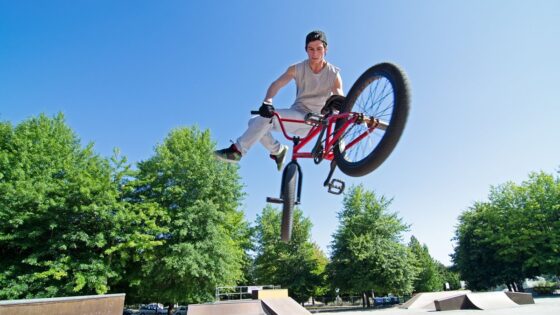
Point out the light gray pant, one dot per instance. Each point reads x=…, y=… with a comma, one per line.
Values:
x=260, y=130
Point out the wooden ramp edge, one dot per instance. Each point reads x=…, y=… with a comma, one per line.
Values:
x=109, y=304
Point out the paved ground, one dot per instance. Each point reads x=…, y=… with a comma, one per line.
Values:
x=542, y=306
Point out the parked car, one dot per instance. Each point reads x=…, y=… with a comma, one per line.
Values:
x=128, y=311
x=153, y=308
x=181, y=310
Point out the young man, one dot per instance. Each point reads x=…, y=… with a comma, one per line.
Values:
x=316, y=80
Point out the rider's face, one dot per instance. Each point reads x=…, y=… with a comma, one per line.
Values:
x=316, y=50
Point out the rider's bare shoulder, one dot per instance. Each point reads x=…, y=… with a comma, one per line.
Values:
x=291, y=71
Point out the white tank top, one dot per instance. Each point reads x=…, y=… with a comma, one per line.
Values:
x=313, y=89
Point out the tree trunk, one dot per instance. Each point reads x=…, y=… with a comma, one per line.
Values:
x=509, y=287
x=519, y=285
x=365, y=300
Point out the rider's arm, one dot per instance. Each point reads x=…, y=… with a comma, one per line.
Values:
x=337, y=87
x=280, y=83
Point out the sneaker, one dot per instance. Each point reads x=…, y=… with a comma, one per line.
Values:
x=230, y=155
x=280, y=157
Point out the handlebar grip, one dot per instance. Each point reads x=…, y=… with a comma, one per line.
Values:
x=254, y=112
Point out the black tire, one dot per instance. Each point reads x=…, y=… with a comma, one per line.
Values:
x=391, y=105
x=289, y=180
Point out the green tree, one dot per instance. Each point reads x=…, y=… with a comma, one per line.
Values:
x=475, y=254
x=63, y=228
x=367, y=253
x=297, y=265
x=540, y=223
x=429, y=278
x=450, y=276
x=512, y=236
x=321, y=287
x=207, y=237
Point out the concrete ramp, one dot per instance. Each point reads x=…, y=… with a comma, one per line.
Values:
x=521, y=298
x=265, y=302
x=425, y=300
x=490, y=300
x=250, y=307
x=283, y=306
x=484, y=301
x=110, y=304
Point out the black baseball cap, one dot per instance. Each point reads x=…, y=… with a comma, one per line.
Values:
x=316, y=35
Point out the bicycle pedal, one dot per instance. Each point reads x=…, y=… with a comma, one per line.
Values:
x=274, y=200
x=336, y=186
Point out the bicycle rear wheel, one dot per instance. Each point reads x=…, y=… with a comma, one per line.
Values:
x=289, y=180
x=381, y=92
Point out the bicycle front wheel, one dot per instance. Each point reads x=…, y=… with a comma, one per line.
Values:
x=382, y=93
x=289, y=180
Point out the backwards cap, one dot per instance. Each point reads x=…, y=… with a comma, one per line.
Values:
x=316, y=35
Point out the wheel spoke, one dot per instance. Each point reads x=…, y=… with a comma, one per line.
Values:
x=375, y=100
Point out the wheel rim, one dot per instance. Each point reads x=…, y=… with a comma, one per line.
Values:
x=376, y=98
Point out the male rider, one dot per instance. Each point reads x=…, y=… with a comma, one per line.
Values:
x=316, y=80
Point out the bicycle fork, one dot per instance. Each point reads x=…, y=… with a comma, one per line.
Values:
x=299, y=184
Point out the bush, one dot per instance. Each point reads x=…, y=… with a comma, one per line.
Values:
x=544, y=290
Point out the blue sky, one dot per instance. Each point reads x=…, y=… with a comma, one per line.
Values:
x=484, y=78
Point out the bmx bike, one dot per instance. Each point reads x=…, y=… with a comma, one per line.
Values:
x=357, y=139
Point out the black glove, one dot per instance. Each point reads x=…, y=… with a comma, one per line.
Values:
x=266, y=110
x=334, y=102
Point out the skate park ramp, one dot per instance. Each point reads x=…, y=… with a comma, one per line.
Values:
x=265, y=302
x=109, y=304
x=520, y=297
x=281, y=306
x=425, y=300
x=250, y=307
x=490, y=300
x=484, y=301
x=277, y=302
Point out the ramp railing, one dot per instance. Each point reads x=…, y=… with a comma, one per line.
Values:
x=240, y=292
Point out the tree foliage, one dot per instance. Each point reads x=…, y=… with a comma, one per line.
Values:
x=63, y=229
x=429, y=277
x=297, y=265
x=513, y=236
x=207, y=237
x=367, y=253
x=450, y=276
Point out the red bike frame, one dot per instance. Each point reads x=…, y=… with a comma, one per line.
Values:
x=349, y=119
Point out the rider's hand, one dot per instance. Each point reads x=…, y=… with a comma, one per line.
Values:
x=266, y=110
